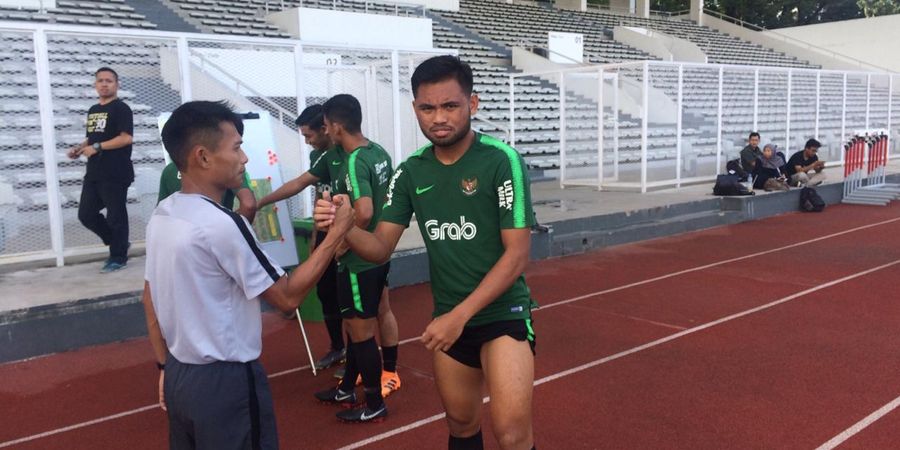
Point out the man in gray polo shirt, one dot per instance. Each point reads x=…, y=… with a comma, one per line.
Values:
x=205, y=273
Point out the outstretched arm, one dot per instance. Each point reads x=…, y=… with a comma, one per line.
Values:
x=288, y=189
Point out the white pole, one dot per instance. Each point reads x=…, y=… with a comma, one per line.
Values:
x=299, y=73
x=395, y=98
x=645, y=113
x=616, y=127
x=562, y=130
x=719, y=124
x=48, y=141
x=678, y=105
x=512, y=111
x=868, y=92
x=756, y=100
x=818, y=104
x=887, y=156
x=844, y=117
x=787, y=129
x=600, y=128
x=184, y=63
x=312, y=363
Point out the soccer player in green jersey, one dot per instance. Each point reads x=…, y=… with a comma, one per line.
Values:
x=364, y=179
x=170, y=183
x=470, y=194
x=326, y=164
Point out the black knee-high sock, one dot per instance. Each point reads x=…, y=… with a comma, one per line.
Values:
x=369, y=361
x=473, y=442
x=334, y=324
x=351, y=370
x=389, y=354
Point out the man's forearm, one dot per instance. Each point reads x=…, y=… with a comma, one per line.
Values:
x=120, y=141
x=153, y=331
x=286, y=190
x=368, y=246
x=305, y=276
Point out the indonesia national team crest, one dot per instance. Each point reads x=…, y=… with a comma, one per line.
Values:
x=469, y=186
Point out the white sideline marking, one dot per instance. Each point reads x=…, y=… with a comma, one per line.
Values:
x=79, y=425
x=415, y=339
x=861, y=425
x=604, y=360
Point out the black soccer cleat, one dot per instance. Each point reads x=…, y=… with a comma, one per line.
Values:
x=333, y=357
x=363, y=415
x=335, y=396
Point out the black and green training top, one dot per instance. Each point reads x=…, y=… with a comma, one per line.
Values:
x=365, y=173
x=461, y=209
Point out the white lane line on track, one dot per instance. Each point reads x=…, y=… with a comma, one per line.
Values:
x=622, y=354
x=861, y=425
x=78, y=425
x=551, y=305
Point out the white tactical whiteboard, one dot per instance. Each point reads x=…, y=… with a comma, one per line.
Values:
x=272, y=224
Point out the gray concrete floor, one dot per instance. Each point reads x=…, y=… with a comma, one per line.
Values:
x=25, y=287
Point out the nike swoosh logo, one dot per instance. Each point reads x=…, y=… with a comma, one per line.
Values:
x=420, y=191
x=365, y=416
x=345, y=309
x=335, y=163
x=341, y=398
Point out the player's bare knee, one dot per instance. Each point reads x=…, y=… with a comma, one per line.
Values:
x=463, y=425
x=516, y=436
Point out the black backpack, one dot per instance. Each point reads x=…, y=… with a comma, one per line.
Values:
x=734, y=167
x=730, y=185
x=810, y=201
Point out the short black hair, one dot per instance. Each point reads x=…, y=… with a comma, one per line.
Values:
x=440, y=68
x=196, y=123
x=812, y=143
x=312, y=117
x=107, y=69
x=345, y=110
x=753, y=134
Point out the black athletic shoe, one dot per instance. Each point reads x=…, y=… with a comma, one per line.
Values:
x=335, y=396
x=364, y=414
x=333, y=357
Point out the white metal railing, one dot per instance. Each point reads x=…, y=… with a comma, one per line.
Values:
x=420, y=10
x=37, y=216
x=696, y=106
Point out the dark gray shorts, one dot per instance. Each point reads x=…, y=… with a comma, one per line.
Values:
x=222, y=405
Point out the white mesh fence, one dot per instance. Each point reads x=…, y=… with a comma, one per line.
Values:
x=666, y=124
x=158, y=71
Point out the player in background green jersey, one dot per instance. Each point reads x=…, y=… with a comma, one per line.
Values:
x=470, y=195
x=327, y=163
x=311, y=125
x=364, y=178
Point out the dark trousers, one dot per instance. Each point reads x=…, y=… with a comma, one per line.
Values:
x=221, y=406
x=112, y=229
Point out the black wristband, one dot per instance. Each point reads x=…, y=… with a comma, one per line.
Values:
x=160, y=366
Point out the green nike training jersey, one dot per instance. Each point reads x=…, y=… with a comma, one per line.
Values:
x=170, y=183
x=327, y=167
x=460, y=209
x=321, y=186
x=365, y=174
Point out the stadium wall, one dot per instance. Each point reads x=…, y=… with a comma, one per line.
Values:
x=784, y=43
x=874, y=40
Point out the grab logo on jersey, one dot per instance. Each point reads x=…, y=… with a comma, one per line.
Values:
x=462, y=231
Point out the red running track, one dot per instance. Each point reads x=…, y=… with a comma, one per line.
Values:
x=773, y=333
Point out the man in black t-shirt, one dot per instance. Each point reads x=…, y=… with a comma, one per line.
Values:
x=804, y=167
x=107, y=147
